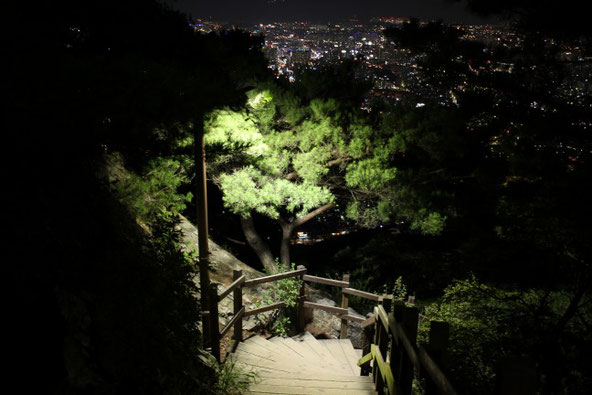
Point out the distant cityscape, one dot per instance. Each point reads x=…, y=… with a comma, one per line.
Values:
x=394, y=72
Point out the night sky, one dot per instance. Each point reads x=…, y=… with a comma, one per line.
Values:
x=254, y=11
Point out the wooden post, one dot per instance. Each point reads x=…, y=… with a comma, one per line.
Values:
x=409, y=324
x=396, y=357
x=300, y=310
x=344, y=304
x=214, y=322
x=378, y=336
x=438, y=343
x=238, y=304
x=367, y=340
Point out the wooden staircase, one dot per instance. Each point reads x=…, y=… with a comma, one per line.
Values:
x=302, y=365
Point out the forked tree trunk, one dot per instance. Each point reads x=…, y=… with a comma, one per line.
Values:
x=258, y=245
x=288, y=228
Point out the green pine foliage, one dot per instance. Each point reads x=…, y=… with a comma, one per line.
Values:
x=156, y=191
x=266, y=160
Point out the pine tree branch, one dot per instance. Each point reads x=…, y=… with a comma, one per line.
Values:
x=304, y=219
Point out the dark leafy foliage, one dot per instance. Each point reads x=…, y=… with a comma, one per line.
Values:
x=98, y=305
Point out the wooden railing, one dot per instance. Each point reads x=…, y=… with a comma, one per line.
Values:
x=397, y=358
x=239, y=282
x=391, y=351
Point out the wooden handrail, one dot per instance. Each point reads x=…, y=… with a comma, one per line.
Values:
x=361, y=294
x=384, y=318
x=435, y=373
x=330, y=309
x=264, y=309
x=234, y=319
x=384, y=369
x=273, y=277
x=231, y=287
x=399, y=334
x=388, y=378
x=369, y=322
x=353, y=318
x=417, y=355
x=326, y=281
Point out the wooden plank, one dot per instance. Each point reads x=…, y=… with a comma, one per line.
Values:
x=326, y=281
x=259, y=372
x=410, y=320
x=330, y=309
x=231, y=287
x=384, y=369
x=384, y=319
x=365, y=359
x=335, y=349
x=301, y=317
x=399, y=333
x=301, y=339
x=267, y=389
x=263, y=309
x=231, y=323
x=314, y=384
x=325, y=357
x=255, y=350
x=350, y=354
x=284, y=362
x=279, y=341
x=303, y=376
x=237, y=302
x=259, y=363
x=436, y=373
x=273, y=277
x=344, y=305
x=361, y=294
x=318, y=383
x=268, y=345
x=305, y=351
x=369, y=322
x=352, y=318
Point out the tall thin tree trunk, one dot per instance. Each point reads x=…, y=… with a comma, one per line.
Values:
x=201, y=198
x=258, y=245
x=287, y=230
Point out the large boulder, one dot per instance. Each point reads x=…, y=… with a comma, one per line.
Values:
x=327, y=325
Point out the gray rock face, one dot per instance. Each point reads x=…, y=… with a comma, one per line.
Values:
x=222, y=264
x=328, y=325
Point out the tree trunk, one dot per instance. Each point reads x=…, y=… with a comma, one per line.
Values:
x=287, y=230
x=258, y=245
x=201, y=198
